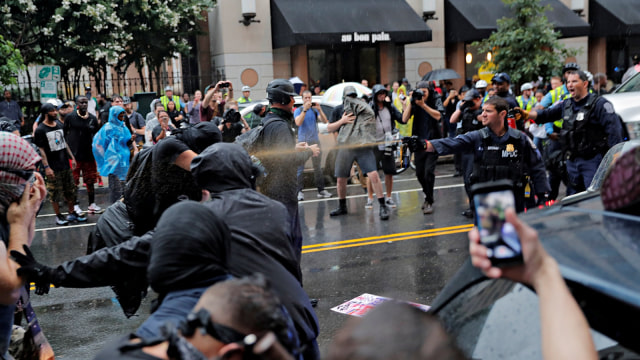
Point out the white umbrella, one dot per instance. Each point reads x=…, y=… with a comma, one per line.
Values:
x=296, y=80
x=333, y=95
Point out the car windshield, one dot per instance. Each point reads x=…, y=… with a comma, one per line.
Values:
x=608, y=159
x=632, y=85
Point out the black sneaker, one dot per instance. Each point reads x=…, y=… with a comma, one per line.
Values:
x=60, y=220
x=468, y=213
x=338, y=211
x=384, y=212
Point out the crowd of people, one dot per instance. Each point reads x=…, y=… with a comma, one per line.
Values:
x=178, y=164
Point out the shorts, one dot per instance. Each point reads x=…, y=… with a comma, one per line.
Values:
x=61, y=187
x=89, y=172
x=386, y=163
x=363, y=155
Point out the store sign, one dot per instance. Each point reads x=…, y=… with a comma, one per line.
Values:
x=366, y=37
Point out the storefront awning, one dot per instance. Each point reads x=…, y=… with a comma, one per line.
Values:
x=345, y=22
x=614, y=17
x=471, y=20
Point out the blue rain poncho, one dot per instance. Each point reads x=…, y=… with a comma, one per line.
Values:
x=110, y=146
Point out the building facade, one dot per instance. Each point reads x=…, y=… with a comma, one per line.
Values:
x=325, y=42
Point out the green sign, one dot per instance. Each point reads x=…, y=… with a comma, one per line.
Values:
x=48, y=72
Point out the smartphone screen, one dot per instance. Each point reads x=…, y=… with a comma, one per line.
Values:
x=499, y=237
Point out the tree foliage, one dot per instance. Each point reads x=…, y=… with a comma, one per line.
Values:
x=525, y=46
x=92, y=34
x=11, y=62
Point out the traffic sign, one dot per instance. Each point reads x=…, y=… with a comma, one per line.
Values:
x=48, y=90
x=48, y=72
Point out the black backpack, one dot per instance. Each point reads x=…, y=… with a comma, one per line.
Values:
x=252, y=139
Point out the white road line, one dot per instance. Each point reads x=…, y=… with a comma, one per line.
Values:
x=66, y=227
x=395, y=192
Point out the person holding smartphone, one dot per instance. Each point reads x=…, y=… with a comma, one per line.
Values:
x=499, y=152
x=565, y=331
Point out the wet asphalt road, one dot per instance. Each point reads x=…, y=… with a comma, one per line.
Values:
x=342, y=258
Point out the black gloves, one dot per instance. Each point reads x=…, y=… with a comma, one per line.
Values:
x=32, y=270
x=415, y=144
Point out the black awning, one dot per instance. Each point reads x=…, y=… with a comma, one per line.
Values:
x=471, y=20
x=614, y=17
x=346, y=22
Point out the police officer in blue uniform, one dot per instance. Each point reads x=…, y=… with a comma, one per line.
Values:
x=590, y=127
x=500, y=152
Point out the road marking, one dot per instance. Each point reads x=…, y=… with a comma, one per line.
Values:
x=385, y=238
x=65, y=227
x=395, y=192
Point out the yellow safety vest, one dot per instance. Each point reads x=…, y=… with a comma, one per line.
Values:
x=242, y=100
x=165, y=100
x=532, y=101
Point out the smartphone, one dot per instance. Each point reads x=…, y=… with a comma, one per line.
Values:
x=490, y=200
x=313, y=104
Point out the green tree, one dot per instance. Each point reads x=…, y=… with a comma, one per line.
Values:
x=11, y=62
x=525, y=46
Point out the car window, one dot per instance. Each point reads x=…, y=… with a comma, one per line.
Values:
x=632, y=84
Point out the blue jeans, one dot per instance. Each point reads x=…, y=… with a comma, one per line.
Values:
x=6, y=326
x=317, y=171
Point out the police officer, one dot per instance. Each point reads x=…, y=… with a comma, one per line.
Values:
x=590, y=127
x=553, y=148
x=469, y=115
x=500, y=152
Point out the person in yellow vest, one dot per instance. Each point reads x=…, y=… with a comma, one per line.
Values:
x=246, y=91
x=481, y=86
x=526, y=101
x=168, y=96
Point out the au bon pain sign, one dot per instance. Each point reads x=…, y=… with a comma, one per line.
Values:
x=372, y=38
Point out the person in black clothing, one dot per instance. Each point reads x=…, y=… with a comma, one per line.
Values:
x=426, y=109
x=231, y=127
x=135, y=120
x=119, y=245
x=284, y=154
x=79, y=128
x=469, y=115
x=49, y=137
x=177, y=116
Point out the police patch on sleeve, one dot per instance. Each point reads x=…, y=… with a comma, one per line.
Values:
x=608, y=108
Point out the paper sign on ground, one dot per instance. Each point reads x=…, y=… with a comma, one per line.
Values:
x=362, y=304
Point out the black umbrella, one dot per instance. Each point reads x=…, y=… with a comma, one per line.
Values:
x=440, y=74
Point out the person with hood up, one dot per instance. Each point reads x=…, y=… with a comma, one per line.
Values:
x=111, y=150
x=260, y=233
x=118, y=253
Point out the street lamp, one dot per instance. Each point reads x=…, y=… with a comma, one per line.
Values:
x=429, y=10
x=468, y=58
x=578, y=7
x=248, y=12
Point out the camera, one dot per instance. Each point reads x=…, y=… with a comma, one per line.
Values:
x=225, y=84
x=231, y=116
x=402, y=97
x=417, y=95
x=313, y=104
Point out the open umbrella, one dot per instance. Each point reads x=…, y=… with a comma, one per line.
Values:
x=296, y=80
x=440, y=74
x=333, y=95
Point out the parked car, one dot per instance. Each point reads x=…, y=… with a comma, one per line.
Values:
x=626, y=102
x=327, y=140
x=599, y=256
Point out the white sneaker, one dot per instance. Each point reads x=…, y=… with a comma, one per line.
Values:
x=300, y=196
x=93, y=208
x=369, y=204
x=324, y=194
x=390, y=203
x=77, y=209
